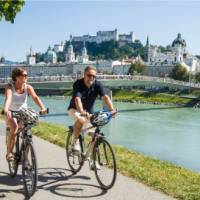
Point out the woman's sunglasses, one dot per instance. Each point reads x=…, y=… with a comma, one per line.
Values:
x=24, y=75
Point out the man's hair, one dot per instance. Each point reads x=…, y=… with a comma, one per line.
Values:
x=18, y=71
x=90, y=67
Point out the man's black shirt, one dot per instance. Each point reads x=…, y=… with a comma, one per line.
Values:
x=87, y=95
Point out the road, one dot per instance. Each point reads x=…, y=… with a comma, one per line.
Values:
x=55, y=180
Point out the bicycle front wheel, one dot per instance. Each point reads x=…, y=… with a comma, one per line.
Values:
x=104, y=164
x=74, y=158
x=13, y=164
x=29, y=169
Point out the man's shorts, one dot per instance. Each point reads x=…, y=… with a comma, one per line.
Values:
x=87, y=127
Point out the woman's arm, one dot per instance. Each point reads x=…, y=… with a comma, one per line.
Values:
x=35, y=98
x=8, y=98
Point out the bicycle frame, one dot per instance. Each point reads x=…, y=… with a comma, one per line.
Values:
x=22, y=133
x=97, y=136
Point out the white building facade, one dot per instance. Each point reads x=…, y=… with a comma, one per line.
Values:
x=161, y=63
x=112, y=67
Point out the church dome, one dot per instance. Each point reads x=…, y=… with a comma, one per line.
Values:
x=179, y=41
x=50, y=53
x=2, y=60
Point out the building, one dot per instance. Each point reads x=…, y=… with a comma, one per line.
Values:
x=2, y=60
x=50, y=56
x=112, y=67
x=30, y=58
x=83, y=58
x=70, y=55
x=130, y=38
x=58, y=47
x=102, y=36
x=161, y=63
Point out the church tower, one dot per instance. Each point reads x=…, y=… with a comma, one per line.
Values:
x=70, y=55
x=147, y=51
x=31, y=60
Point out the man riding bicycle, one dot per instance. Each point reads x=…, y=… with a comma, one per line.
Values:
x=85, y=92
x=16, y=94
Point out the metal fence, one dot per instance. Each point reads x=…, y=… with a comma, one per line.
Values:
x=108, y=77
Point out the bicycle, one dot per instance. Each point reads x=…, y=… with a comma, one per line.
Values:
x=98, y=150
x=24, y=153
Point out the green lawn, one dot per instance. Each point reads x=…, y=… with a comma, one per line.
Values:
x=123, y=95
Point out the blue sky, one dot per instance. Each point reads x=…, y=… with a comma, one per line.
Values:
x=44, y=23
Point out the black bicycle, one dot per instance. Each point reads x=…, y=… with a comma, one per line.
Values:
x=24, y=152
x=98, y=152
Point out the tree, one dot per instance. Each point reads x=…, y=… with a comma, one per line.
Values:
x=60, y=57
x=39, y=57
x=9, y=9
x=197, y=77
x=115, y=53
x=179, y=73
x=126, y=51
x=136, y=67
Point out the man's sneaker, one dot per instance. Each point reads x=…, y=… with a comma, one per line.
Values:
x=92, y=165
x=76, y=146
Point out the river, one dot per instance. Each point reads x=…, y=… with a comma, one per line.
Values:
x=162, y=132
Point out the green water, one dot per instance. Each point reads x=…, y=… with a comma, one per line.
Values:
x=166, y=133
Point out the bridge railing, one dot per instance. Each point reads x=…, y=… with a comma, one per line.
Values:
x=108, y=77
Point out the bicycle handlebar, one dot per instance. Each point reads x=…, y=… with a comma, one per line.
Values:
x=42, y=114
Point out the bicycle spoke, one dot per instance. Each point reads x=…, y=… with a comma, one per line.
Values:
x=74, y=158
x=104, y=157
x=29, y=170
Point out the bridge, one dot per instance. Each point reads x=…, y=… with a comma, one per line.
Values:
x=63, y=83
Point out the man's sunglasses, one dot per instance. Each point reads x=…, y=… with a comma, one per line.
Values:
x=91, y=76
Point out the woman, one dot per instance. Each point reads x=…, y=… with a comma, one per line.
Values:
x=16, y=94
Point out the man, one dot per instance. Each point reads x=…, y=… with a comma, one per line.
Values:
x=85, y=92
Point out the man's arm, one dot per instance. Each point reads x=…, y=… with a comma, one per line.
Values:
x=108, y=102
x=79, y=107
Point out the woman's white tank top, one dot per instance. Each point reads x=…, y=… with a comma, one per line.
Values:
x=18, y=100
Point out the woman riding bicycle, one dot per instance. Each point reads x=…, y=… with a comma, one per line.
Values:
x=16, y=94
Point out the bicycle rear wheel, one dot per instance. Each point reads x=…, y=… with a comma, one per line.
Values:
x=103, y=156
x=74, y=158
x=29, y=169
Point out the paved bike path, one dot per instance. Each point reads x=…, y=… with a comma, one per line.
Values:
x=55, y=180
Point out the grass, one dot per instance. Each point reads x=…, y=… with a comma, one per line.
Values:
x=123, y=95
x=175, y=181
x=53, y=133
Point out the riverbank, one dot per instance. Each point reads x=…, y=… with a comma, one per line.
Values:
x=145, y=97
x=175, y=181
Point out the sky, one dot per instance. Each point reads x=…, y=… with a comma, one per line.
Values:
x=44, y=23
